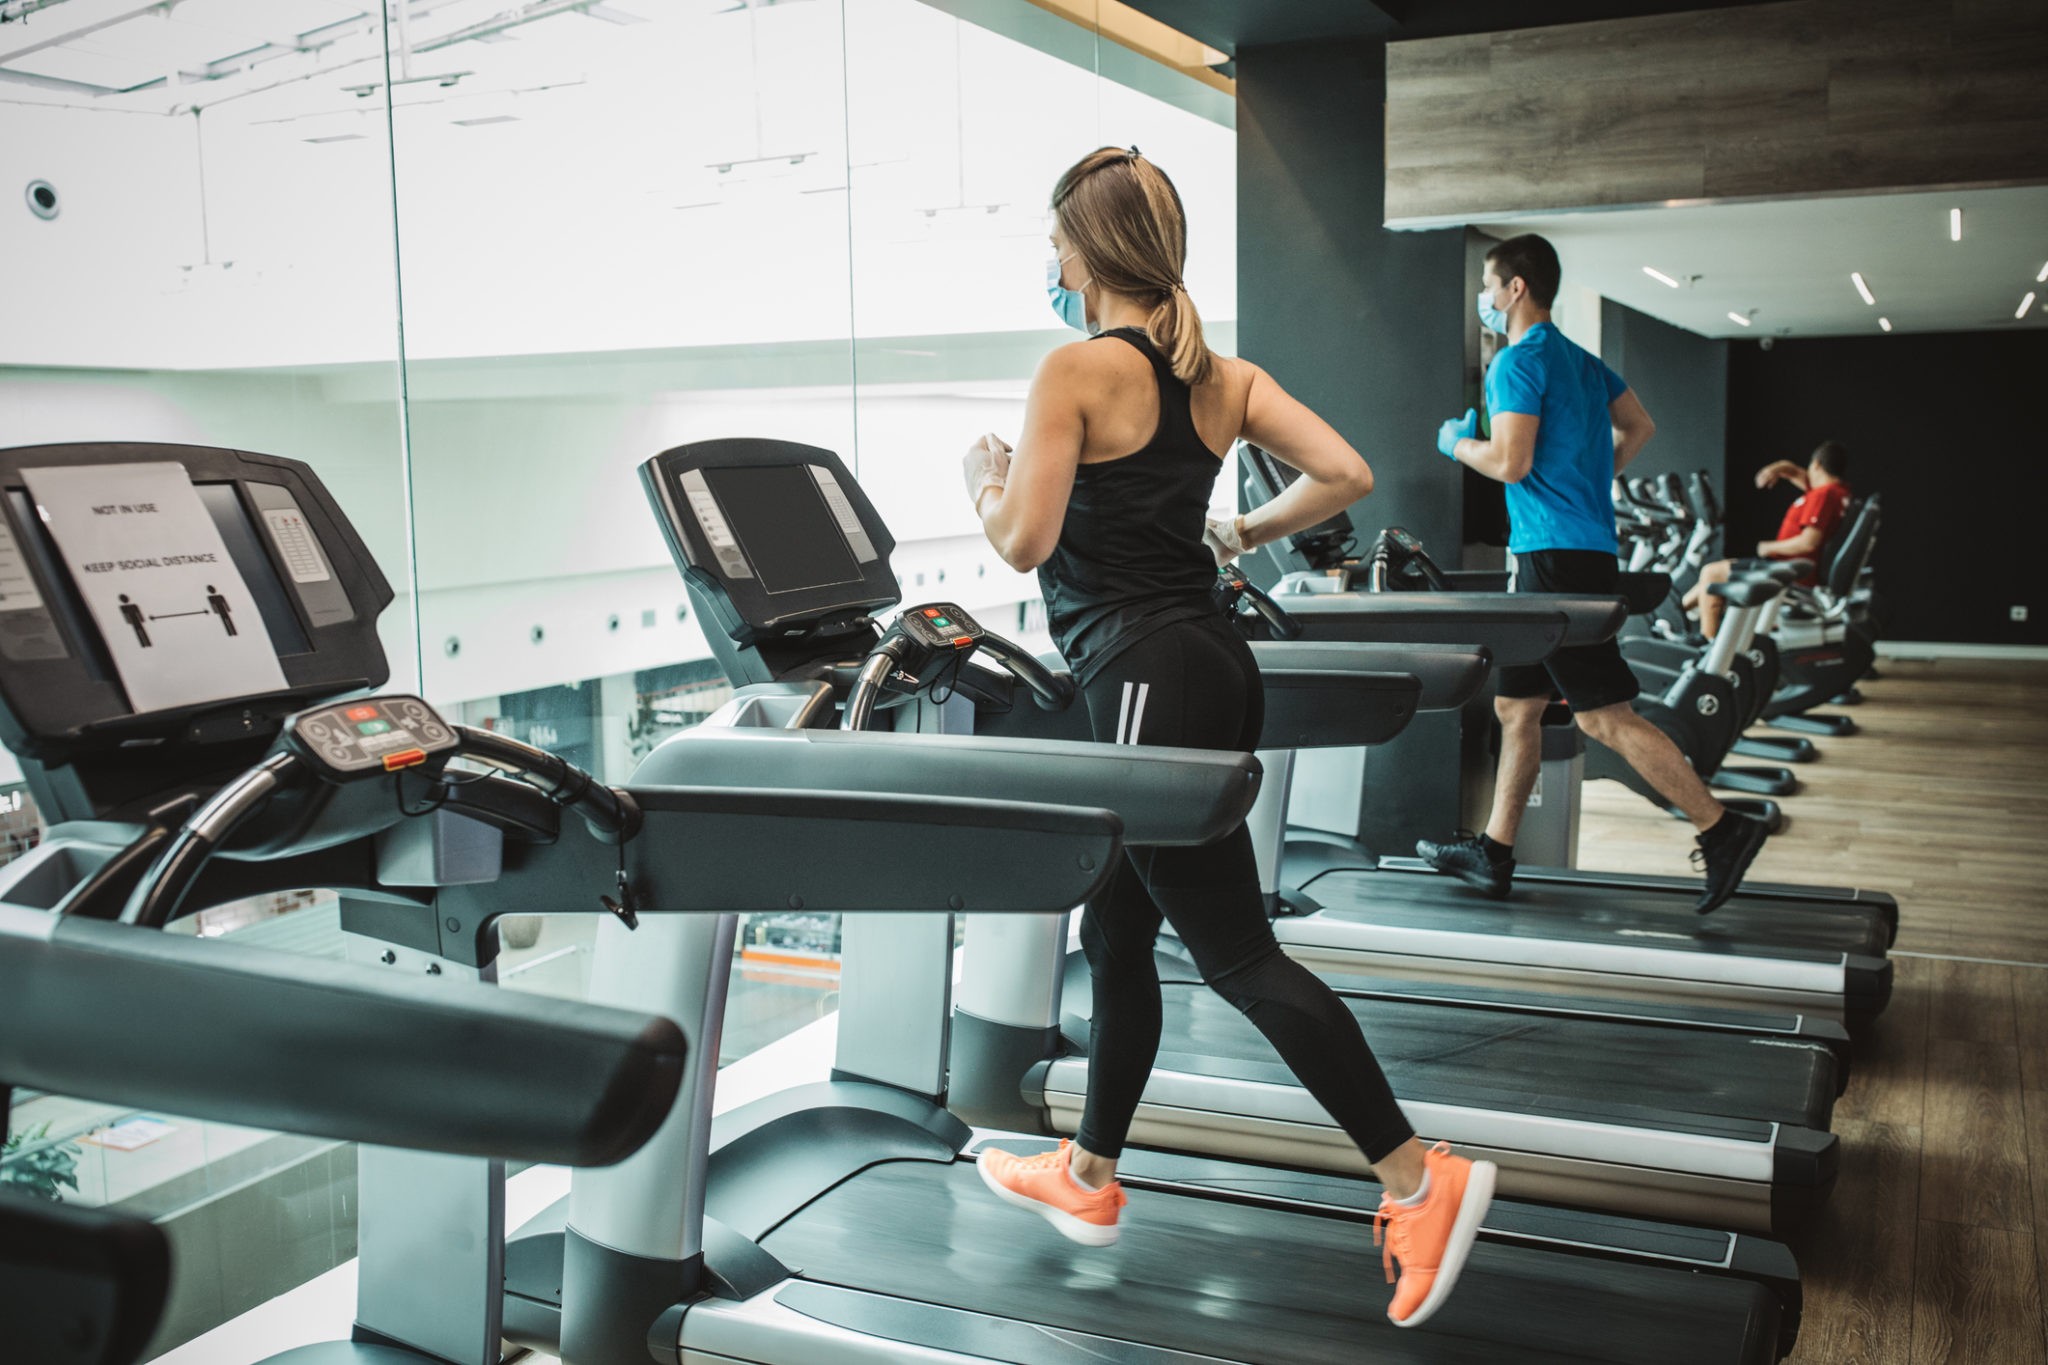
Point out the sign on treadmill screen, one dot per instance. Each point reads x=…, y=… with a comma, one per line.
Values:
x=177, y=617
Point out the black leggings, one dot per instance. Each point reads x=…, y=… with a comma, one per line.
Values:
x=1195, y=684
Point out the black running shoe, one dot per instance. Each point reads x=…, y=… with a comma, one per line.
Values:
x=1465, y=859
x=1725, y=855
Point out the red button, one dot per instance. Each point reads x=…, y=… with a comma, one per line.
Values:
x=361, y=713
x=404, y=758
x=931, y=611
x=963, y=640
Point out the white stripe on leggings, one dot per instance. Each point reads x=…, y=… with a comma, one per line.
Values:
x=1138, y=715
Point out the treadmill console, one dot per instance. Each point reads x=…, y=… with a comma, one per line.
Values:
x=369, y=736
x=66, y=668
x=157, y=599
x=784, y=556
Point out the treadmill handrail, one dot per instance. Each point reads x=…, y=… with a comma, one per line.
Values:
x=1515, y=631
x=1162, y=795
x=210, y=1028
x=1449, y=675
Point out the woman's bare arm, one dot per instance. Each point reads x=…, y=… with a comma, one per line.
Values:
x=1335, y=475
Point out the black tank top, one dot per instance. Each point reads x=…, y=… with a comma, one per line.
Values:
x=1130, y=559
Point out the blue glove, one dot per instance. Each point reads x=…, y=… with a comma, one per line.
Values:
x=1450, y=433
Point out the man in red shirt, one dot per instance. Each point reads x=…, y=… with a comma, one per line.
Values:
x=1808, y=523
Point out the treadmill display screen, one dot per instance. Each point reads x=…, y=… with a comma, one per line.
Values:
x=783, y=526
x=224, y=504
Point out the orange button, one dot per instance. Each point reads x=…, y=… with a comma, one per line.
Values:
x=361, y=713
x=931, y=611
x=404, y=758
x=963, y=639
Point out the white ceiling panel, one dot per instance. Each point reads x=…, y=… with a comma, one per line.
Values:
x=1787, y=265
x=162, y=42
x=75, y=63
x=273, y=19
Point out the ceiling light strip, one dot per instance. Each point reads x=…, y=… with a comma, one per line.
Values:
x=1862, y=288
x=1738, y=319
x=1659, y=276
x=2026, y=305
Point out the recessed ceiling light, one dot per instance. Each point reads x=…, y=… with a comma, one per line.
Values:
x=2042, y=278
x=1659, y=276
x=2025, y=304
x=485, y=121
x=338, y=137
x=1861, y=287
x=1885, y=323
x=1738, y=318
x=1955, y=225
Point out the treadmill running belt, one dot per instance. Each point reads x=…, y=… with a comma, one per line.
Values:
x=1222, y=1280
x=1452, y=1055
x=1589, y=914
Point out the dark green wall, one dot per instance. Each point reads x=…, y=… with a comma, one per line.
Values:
x=1367, y=327
x=1364, y=325
x=1944, y=425
x=1682, y=379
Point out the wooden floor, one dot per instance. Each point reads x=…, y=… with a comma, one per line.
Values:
x=1935, y=1247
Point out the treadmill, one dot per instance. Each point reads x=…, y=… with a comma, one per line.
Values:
x=212, y=1028
x=1682, y=1112
x=841, y=1221
x=1815, y=950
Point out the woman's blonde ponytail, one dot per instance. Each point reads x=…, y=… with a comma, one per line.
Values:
x=1176, y=329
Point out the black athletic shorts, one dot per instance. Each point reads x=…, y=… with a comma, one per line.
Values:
x=1591, y=676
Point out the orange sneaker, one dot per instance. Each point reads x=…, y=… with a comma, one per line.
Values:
x=1044, y=1185
x=1432, y=1239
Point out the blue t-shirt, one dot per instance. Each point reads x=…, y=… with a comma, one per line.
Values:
x=1567, y=500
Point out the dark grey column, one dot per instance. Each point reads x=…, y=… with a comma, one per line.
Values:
x=1682, y=379
x=1367, y=327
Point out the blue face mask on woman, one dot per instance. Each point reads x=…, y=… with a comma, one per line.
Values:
x=1068, y=303
x=1491, y=318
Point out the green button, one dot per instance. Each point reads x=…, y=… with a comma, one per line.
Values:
x=942, y=623
x=372, y=727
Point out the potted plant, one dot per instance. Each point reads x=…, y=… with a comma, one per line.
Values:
x=33, y=1164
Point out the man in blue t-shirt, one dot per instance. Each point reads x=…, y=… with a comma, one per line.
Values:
x=1563, y=425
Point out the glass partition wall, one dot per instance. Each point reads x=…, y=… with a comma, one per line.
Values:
x=474, y=264
x=196, y=247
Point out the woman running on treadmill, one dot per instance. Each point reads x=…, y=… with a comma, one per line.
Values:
x=1107, y=495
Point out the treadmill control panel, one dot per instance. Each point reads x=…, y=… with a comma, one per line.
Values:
x=940, y=626
x=368, y=736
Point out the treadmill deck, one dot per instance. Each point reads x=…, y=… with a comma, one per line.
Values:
x=1204, y=1279
x=1814, y=931
x=1639, y=1075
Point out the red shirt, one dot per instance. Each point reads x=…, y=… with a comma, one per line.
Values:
x=1821, y=507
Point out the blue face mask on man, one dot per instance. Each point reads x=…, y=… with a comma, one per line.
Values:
x=1491, y=318
x=1068, y=303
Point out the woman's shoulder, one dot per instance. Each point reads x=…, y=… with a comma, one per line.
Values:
x=1102, y=357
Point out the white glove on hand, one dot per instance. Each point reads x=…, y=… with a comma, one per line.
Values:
x=1223, y=538
x=986, y=466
